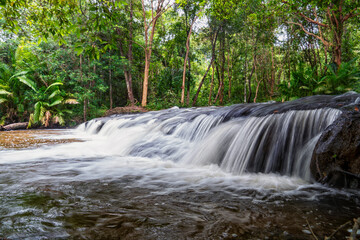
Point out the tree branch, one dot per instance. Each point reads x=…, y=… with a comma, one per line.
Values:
x=307, y=18
x=350, y=14
x=312, y=34
x=312, y=20
x=317, y=19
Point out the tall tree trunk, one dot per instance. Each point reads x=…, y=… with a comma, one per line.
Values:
x=222, y=73
x=185, y=61
x=84, y=102
x=146, y=78
x=155, y=15
x=212, y=83
x=228, y=71
x=249, y=79
x=272, y=82
x=219, y=83
x=148, y=49
x=210, y=64
x=245, y=80
x=127, y=69
x=258, y=83
x=188, y=84
x=110, y=85
x=130, y=58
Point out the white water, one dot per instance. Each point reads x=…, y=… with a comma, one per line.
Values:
x=171, y=166
x=277, y=143
x=185, y=148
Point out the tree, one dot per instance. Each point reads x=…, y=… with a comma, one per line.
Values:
x=186, y=7
x=330, y=18
x=157, y=9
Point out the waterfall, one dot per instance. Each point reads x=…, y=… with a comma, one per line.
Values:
x=280, y=143
x=239, y=138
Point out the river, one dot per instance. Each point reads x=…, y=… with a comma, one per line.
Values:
x=172, y=174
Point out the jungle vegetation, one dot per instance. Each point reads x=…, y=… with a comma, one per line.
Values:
x=66, y=61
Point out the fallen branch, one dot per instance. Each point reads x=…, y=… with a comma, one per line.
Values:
x=312, y=232
x=333, y=234
x=14, y=126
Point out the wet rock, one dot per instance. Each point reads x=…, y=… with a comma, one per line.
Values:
x=336, y=157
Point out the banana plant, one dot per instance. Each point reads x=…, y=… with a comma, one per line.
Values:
x=47, y=99
x=5, y=93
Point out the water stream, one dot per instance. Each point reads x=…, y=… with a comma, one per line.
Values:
x=239, y=172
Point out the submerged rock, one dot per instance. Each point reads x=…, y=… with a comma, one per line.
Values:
x=336, y=157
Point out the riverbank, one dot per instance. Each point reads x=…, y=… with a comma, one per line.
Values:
x=114, y=111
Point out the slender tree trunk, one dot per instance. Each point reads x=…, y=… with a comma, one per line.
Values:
x=201, y=83
x=258, y=84
x=130, y=58
x=210, y=64
x=249, y=79
x=245, y=80
x=127, y=69
x=110, y=85
x=228, y=70
x=188, y=84
x=212, y=83
x=155, y=15
x=272, y=82
x=148, y=50
x=146, y=78
x=219, y=83
x=185, y=61
x=84, y=102
x=222, y=76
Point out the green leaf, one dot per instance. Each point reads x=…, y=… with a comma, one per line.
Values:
x=2, y=100
x=52, y=85
x=56, y=101
x=304, y=87
x=37, y=112
x=54, y=93
x=79, y=50
x=28, y=82
x=31, y=120
x=42, y=112
x=4, y=92
x=19, y=74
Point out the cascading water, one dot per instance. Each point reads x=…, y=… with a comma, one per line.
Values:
x=276, y=143
x=199, y=173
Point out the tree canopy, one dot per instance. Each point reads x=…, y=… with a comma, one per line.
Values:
x=68, y=61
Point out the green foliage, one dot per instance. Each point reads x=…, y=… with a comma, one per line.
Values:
x=305, y=81
x=75, y=55
x=302, y=83
x=343, y=79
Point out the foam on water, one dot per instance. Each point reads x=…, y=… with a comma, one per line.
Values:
x=185, y=148
x=194, y=173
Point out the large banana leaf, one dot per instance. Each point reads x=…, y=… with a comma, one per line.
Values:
x=56, y=101
x=28, y=82
x=19, y=74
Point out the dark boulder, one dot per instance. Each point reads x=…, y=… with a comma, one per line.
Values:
x=336, y=157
